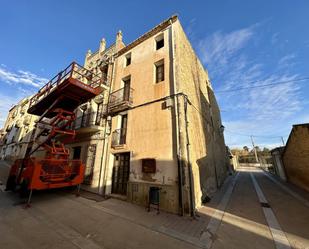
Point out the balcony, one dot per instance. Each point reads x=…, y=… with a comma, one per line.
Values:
x=90, y=122
x=120, y=100
x=119, y=138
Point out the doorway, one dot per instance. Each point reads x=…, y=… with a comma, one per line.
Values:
x=121, y=171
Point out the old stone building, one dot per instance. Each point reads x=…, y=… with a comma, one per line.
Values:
x=156, y=123
x=296, y=156
x=17, y=134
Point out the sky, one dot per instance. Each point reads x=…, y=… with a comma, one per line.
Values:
x=242, y=44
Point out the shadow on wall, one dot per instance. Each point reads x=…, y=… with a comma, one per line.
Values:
x=16, y=147
x=163, y=175
x=213, y=167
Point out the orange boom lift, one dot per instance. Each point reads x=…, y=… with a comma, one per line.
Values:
x=55, y=103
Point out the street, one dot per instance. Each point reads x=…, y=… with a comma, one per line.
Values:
x=251, y=210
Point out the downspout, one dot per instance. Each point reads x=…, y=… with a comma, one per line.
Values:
x=178, y=150
x=103, y=189
x=106, y=157
x=192, y=203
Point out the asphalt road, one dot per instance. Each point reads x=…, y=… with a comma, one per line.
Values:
x=251, y=211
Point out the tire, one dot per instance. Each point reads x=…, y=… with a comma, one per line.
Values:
x=24, y=191
x=11, y=183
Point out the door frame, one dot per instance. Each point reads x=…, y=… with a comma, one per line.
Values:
x=121, y=173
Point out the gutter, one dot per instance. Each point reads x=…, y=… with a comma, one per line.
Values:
x=176, y=110
x=192, y=203
x=102, y=179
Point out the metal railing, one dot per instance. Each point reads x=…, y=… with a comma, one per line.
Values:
x=89, y=119
x=75, y=71
x=119, y=137
x=123, y=96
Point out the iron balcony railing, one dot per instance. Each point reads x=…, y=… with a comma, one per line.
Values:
x=120, y=98
x=89, y=119
x=119, y=137
x=75, y=71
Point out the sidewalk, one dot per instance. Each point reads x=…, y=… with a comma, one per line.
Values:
x=4, y=172
x=90, y=218
x=233, y=219
x=186, y=228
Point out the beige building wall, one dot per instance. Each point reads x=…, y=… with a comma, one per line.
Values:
x=176, y=121
x=149, y=128
x=17, y=132
x=296, y=156
x=152, y=128
x=92, y=135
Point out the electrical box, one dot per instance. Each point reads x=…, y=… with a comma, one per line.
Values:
x=149, y=165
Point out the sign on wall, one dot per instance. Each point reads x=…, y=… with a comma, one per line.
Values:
x=149, y=165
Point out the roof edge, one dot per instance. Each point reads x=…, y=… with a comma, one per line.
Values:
x=148, y=34
x=304, y=124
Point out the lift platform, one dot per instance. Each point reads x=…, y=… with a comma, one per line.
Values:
x=55, y=104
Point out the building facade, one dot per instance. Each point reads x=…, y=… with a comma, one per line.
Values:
x=155, y=124
x=296, y=156
x=18, y=132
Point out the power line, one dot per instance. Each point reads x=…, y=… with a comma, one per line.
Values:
x=232, y=132
x=247, y=135
x=265, y=85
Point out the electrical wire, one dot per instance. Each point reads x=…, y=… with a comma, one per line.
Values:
x=265, y=85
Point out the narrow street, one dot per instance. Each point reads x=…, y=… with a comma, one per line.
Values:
x=234, y=218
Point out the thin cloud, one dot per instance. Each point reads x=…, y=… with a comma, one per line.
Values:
x=231, y=64
x=21, y=77
x=219, y=47
x=274, y=38
x=287, y=60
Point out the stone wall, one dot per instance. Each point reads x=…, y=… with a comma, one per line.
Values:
x=207, y=148
x=296, y=156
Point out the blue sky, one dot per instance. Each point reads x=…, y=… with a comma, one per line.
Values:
x=241, y=43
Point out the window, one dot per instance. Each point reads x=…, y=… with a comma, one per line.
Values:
x=76, y=152
x=128, y=59
x=99, y=114
x=127, y=87
x=159, y=42
x=159, y=71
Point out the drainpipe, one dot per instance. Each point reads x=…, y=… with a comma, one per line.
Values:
x=178, y=149
x=192, y=203
x=105, y=144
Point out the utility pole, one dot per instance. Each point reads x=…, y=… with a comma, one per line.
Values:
x=282, y=141
x=256, y=157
